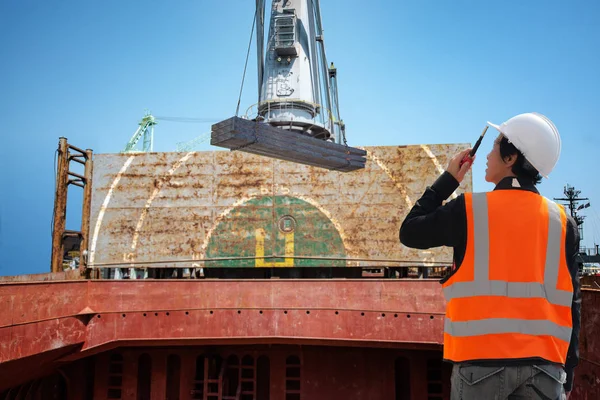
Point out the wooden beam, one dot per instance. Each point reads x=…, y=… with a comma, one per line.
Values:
x=263, y=139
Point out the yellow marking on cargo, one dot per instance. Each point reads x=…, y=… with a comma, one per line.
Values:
x=307, y=199
x=260, y=262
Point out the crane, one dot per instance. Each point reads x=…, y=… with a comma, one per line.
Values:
x=297, y=89
x=192, y=144
x=145, y=130
x=298, y=116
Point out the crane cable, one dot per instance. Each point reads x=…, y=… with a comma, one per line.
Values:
x=187, y=119
x=237, y=110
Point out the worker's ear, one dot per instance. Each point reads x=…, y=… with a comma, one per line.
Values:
x=510, y=160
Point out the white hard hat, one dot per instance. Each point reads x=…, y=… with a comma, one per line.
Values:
x=536, y=137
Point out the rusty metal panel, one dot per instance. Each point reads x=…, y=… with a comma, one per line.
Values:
x=331, y=310
x=587, y=373
x=39, y=301
x=410, y=296
x=197, y=206
x=20, y=341
x=269, y=326
x=345, y=311
x=67, y=275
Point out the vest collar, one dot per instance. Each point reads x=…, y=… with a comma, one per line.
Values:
x=510, y=182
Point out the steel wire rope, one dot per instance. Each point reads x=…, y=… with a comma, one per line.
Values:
x=182, y=146
x=237, y=110
x=187, y=119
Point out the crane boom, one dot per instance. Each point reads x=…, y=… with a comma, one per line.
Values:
x=145, y=130
x=192, y=144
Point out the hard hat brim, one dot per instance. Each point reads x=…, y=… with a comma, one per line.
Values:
x=497, y=127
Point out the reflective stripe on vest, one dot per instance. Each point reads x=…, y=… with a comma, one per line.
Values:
x=506, y=325
x=481, y=285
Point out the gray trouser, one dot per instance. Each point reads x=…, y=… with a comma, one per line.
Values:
x=540, y=382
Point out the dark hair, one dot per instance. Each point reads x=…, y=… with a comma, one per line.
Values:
x=521, y=168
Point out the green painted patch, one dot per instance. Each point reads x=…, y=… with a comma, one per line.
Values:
x=280, y=225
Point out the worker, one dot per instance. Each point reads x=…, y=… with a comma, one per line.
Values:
x=513, y=304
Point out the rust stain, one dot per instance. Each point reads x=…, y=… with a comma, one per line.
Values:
x=158, y=184
x=104, y=206
x=169, y=206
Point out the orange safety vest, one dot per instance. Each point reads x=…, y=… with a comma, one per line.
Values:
x=511, y=297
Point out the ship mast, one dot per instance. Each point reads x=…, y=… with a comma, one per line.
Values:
x=572, y=201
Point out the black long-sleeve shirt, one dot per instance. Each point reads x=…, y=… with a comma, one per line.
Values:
x=431, y=224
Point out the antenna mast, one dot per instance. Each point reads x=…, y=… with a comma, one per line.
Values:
x=572, y=200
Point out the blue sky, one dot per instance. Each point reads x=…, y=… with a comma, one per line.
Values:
x=410, y=72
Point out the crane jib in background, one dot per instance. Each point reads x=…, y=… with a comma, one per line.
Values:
x=146, y=131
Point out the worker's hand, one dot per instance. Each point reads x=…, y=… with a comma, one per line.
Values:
x=454, y=167
x=567, y=395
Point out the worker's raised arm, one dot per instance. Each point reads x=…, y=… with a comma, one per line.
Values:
x=431, y=224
